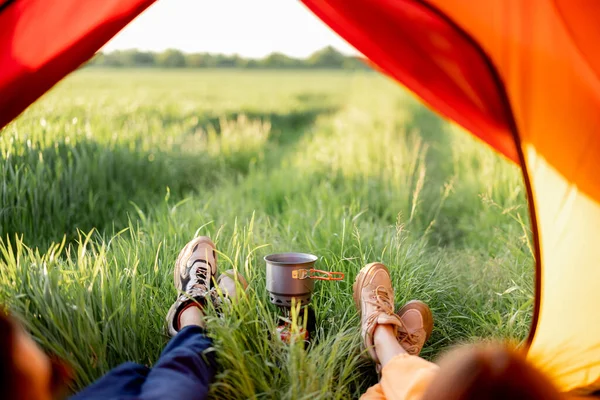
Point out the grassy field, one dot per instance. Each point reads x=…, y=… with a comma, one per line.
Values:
x=110, y=174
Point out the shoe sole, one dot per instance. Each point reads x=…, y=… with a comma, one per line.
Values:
x=358, y=283
x=198, y=241
x=425, y=312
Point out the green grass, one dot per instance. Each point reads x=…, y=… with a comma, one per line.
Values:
x=107, y=177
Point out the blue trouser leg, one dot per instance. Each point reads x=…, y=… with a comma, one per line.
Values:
x=183, y=371
x=122, y=382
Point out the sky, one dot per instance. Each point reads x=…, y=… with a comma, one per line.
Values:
x=250, y=28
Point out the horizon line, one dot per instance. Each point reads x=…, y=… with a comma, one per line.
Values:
x=142, y=50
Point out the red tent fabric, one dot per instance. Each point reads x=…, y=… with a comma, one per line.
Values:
x=431, y=56
x=42, y=41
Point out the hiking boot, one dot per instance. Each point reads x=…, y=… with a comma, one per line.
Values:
x=194, y=269
x=417, y=324
x=226, y=290
x=374, y=300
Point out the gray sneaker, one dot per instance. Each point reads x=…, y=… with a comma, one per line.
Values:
x=193, y=273
x=226, y=290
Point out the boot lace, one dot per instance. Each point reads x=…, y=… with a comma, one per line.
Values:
x=411, y=342
x=380, y=298
x=200, y=272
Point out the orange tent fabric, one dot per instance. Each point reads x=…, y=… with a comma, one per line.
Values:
x=526, y=73
x=524, y=76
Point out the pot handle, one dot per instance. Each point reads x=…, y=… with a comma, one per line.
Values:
x=317, y=274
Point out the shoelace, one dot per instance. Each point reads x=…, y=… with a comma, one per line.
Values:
x=381, y=300
x=412, y=339
x=201, y=274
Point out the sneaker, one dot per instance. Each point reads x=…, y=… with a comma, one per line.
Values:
x=194, y=269
x=374, y=300
x=417, y=324
x=226, y=290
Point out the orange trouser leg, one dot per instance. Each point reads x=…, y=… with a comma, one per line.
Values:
x=405, y=377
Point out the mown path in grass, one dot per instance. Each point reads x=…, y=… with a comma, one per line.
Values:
x=122, y=168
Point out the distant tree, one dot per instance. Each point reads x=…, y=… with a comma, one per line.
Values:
x=113, y=59
x=280, y=60
x=141, y=58
x=98, y=59
x=210, y=60
x=195, y=60
x=252, y=63
x=239, y=62
x=327, y=57
x=171, y=58
x=229, y=61
x=355, y=63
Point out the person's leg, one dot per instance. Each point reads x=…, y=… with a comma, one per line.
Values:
x=122, y=382
x=404, y=375
x=386, y=344
x=387, y=347
x=407, y=377
x=194, y=268
x=409, y=338
x=186, y=366
x=184, y=369
x=393, y=340
x=374, y=301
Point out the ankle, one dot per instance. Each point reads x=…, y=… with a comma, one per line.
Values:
x=191, y=314
x=383, y=334
x=386, y=344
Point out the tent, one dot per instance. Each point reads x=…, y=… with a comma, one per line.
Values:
x=523, y=76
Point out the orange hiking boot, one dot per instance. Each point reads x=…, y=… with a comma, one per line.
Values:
x=194, y=269
x=374, y=300
x=417, y=324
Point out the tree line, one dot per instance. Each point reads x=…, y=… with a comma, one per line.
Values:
x=327, y=58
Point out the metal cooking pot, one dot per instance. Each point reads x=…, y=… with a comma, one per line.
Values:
x=288, y=278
